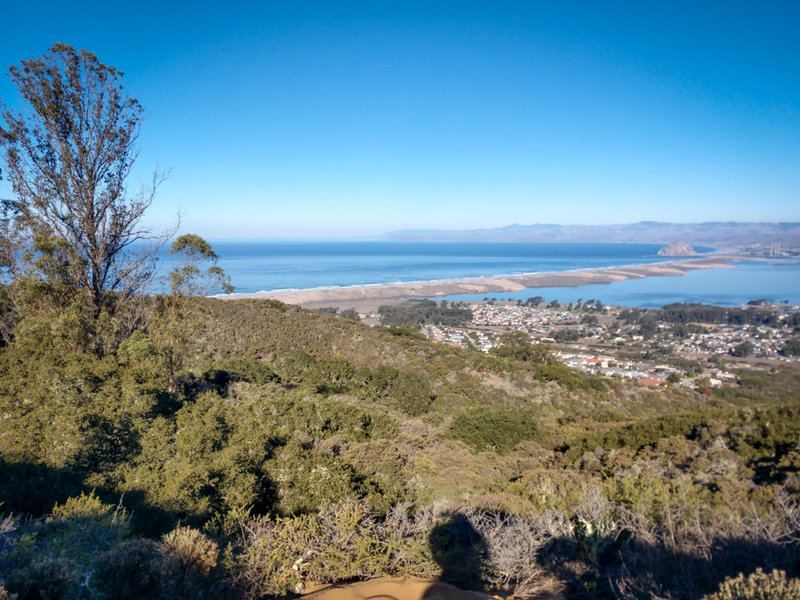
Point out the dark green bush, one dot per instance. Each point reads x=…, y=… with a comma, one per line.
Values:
x=409, y=392
x=48, y=578
x=408, y=330
x=495, y=429
x=129, y=571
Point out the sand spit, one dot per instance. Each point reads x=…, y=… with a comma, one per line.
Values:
x=369, y=297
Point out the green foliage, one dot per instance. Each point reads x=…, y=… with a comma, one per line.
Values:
x=699, y=313
x=408, y=330
x=757, y=586
x=87, y=527
x=495, y=429
x=565, y=334
x=422, y=312
x=75, y=412
x=178, y=317
x=194, y=551
x=791, y=347
x=85, y=506
x=129, y=571
x=569, y=378
x=46, y=577
x=189, y=563
x=187, y=279
x=76, y=225
x=207, y=459
x=639, y=434
x=307, y=480
x=517, y=345
x=743, y=350
x=760, y=387
x=409, y=392
x=339, y=543
x=225, y=371
x=51, y=558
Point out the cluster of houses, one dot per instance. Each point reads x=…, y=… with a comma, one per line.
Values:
x=765, y=342
x=519, y=317
x=601, y=339
x=643, y=371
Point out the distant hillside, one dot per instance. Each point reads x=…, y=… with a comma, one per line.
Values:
x=711, y=234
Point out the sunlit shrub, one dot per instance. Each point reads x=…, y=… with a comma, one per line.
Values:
x=83, y=506
x=307, y=480
x=194, y=550
x=555, y=489
x=343, y=542
x=758, y=586
x=86, y=526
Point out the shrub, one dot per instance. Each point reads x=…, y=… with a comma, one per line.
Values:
x=131, y=570
x=236, y=369
x=83, y=506
x=408, y=330
x=193, y=549
x=409, y=392
x=307, y=480
x=758, y=586
x=46, y=578
x=495, y=429
x=189, y=559
x=341, y=542
x=88, y=526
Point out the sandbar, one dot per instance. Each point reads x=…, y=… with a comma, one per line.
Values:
x=367, y=298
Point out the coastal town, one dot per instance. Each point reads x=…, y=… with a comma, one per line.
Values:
x=653, y=347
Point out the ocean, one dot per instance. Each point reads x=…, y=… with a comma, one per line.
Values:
x=777, y=281
x=269, y=266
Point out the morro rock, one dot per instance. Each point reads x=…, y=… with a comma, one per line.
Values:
x=677, y=249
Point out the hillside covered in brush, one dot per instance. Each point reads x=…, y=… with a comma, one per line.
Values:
x=175, y=446
x=290, y=447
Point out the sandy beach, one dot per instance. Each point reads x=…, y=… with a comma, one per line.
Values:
x=367, y=298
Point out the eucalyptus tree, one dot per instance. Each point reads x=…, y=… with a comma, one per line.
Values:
x=69, y=153
x=179, y=315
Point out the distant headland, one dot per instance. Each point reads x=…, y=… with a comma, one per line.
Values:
x=717, y=234
x=679, y=248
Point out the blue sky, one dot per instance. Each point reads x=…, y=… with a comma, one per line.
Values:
x=345, y=119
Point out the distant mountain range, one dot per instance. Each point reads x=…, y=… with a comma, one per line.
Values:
x=716, y=234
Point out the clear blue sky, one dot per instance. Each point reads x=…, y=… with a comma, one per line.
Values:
x=339, y=119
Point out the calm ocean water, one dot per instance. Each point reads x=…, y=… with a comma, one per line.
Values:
x=778, y=281
x=257, y=266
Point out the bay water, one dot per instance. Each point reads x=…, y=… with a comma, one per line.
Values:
x=270, y=266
